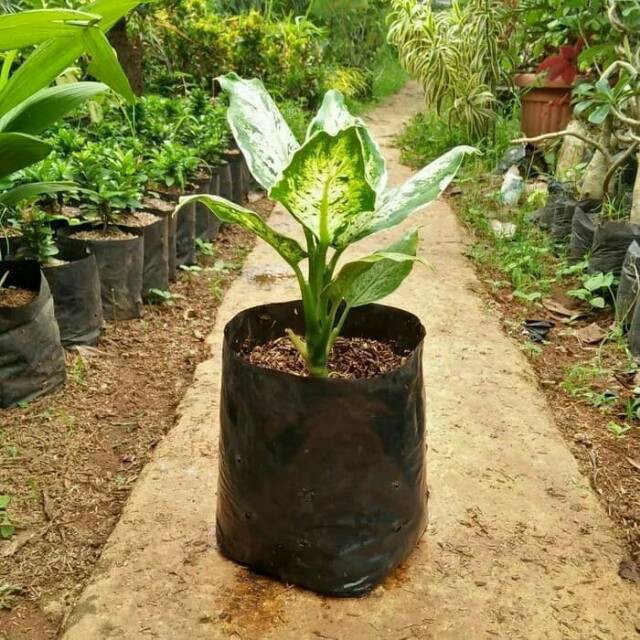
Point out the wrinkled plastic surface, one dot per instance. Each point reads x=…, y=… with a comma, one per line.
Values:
x=226, y=182
x=185, y=221
x=322, y=482
x=627, y=295
x=31, y=355
x=583, y=228
x=512, y=188
x=610, y=244
x=75, y=287
x=165, y=209
x=120, y=267
x=564, y=210
x=202, y=185
x=234, y=158
x=213, y=223
x=155, y=270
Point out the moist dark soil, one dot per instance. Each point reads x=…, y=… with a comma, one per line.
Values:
x=69, y=460
x=139, y=219
x=12, y=298
x=112, y=233
x=350, y=359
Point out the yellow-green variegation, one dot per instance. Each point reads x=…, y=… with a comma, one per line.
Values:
x=334, y=185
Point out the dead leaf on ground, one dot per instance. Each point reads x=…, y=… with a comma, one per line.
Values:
x=592, y=334
x=634, y=463
x=628, y=570
x=559, y=309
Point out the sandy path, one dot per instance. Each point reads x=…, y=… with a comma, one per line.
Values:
x=518, y=546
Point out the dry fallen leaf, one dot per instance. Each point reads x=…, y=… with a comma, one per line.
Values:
x=592, y=334
x=634, y=463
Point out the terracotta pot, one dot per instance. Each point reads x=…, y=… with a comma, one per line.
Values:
x=546, y=105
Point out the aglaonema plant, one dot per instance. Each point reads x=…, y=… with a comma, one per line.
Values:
x=334, y=185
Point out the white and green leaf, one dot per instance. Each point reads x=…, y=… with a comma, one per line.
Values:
x=398, y=204
x=324, y=187
x=375, y=277
x=333, y=117
x=261, y=132
x=226, y=211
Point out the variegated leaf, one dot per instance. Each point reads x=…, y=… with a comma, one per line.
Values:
x=324, y=187
x=333, y=117
x=261, y=132
x=398, y=204
x=376, y=276
x=227, y=211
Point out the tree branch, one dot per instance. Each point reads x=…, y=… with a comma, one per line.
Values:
x=616, y=165
x=561, y=134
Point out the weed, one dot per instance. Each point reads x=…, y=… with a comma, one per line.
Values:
x=594, y=289
x=619, y=430
x=7, y=528
x=8, y=594
x=162, y=296
x=79, y=371
x=205, y=248
x=216, y=288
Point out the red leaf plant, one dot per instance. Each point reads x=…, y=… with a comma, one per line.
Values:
x=563, y=65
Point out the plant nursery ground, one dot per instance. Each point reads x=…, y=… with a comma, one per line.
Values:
x=518, y=546
x=72, y=458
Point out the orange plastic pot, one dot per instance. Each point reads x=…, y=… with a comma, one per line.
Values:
x=546, y=105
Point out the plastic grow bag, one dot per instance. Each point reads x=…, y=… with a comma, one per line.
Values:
x=627, y=294
x=322, y=481
x=120, y=267
x=202, y=185
x=226, y=181
x=165, y=209
x=75, y=287
x=31, y=356
x=185, y=221
x=234, y=158
x=213, y=223
x=155, y=270
x=583, y=230
x=610, y=244
x=563, y=210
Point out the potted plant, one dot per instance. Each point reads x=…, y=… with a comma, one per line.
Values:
x=322, y=458
x=546, y=99
x=33, y=358
x=170, y=168
x=72, y=276
x=109, y=193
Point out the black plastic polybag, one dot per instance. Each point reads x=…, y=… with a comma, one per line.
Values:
x=563, y=209
x=202, y=185
x=120, y=267
x=583, y=229
x=185, y=221
x=75, y=287
x=322, y=481
x=165, y=209
x=155, y=273
x=31, y=356
x=628, y=288
x=234, y=158
x=610, y=244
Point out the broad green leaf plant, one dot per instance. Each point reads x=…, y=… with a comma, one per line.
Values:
x=334, y=185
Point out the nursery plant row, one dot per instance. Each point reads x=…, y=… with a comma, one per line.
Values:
x=109, y=242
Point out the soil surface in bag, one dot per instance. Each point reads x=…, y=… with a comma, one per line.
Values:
x=75, y=287
x=628, y=288
x=31, y=355
x=120, y=267
x=154, y=233
x=186, y=235
x=322, y=481
x=611, y=241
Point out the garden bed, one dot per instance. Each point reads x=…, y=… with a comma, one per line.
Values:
x=582, y=366
x=72, y=458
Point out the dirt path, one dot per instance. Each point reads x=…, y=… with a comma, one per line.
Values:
x=518, y=546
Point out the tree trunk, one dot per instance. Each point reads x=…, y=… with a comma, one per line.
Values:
x=129, y=54
x=571, y=152
x=596, y=172
x=635, y=205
